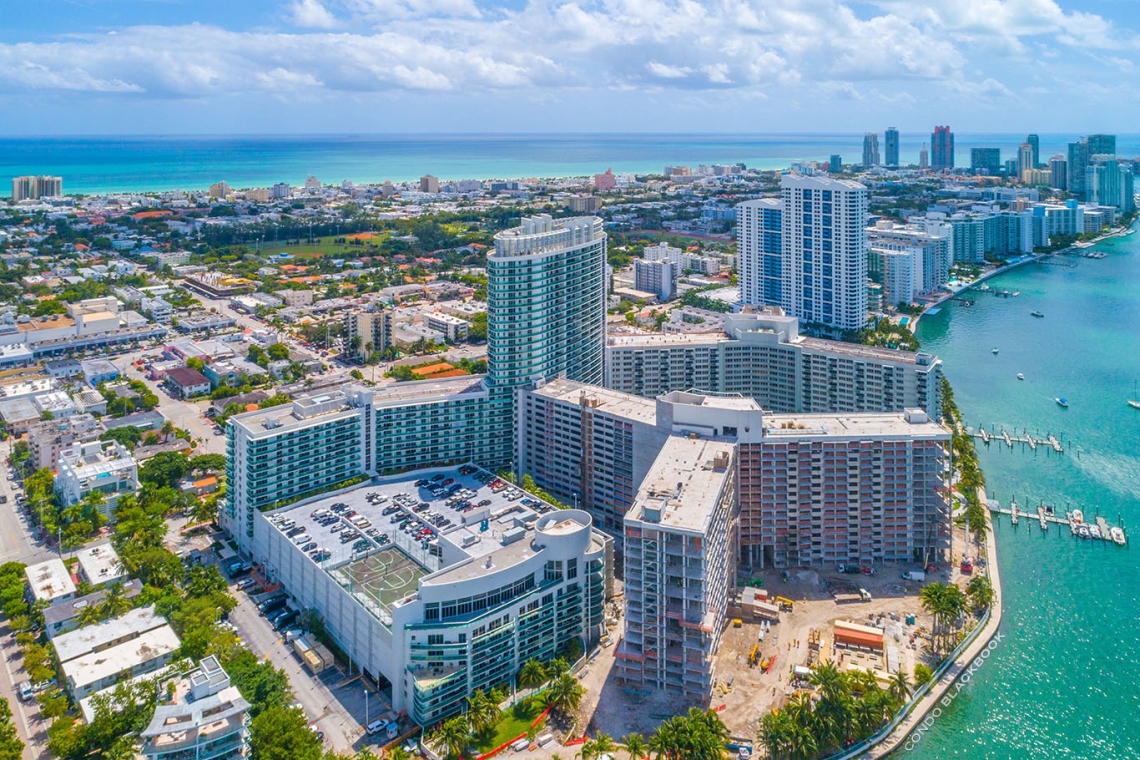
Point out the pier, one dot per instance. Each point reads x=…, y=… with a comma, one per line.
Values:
x=1049, y=442
x=1099, y=529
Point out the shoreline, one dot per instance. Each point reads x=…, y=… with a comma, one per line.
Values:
x=1026, y=259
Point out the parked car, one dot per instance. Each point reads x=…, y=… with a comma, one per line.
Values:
x=246, y=583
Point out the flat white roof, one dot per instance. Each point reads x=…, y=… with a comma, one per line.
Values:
x=909, y=424
x=49, y=580
x=685, y=483
x=94, y=667
x=624, y=405
x=90, y=638
x=100, y=564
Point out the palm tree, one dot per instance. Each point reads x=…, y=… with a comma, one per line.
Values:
x=556, y=667
x=601, y=744
x=398, y=753
x=981, y=592
x=634, y=746
x=452, y=737
x=115, y=602
x=899, y=688
x=91, y=613
x=565, y=695
x=482, y=712
x=532, y=675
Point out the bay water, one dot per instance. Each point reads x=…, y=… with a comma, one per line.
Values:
x=1064, y=679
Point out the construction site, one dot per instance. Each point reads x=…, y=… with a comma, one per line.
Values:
x=780, y=624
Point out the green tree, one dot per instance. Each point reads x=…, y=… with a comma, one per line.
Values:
x=565, y=694
x=165, y=468
x=980, y=591
x=532, y=675
x=11, y=748
x=257, y=355
x=899, y=688
x=282, y=733
x=634, y=746
x=278, y=351
x=452, y=737
x=482, y=712
x=922, y=674
x=127, y=435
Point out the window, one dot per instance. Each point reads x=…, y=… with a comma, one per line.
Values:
x=572, y=568
x=435, y=639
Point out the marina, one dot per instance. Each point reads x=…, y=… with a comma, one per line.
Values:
x=1049, y=442
x=1044, y=515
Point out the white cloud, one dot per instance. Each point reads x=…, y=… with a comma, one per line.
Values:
x=902, y=52
x=312, y=15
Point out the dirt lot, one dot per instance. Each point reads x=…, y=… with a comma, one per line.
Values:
x=744, y=692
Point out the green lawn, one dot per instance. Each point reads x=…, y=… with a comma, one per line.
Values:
x=516, y=721
x=326, y=246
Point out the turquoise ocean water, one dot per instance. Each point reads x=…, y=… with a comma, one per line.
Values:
x=94, y=165
x=1063, y=682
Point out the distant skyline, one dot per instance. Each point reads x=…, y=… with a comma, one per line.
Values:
x=154, y=67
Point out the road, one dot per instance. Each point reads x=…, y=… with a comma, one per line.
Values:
x=327, y=705
x=18, y=545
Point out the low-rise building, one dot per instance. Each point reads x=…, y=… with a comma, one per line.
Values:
x=95, y=657
x=49, y=582
x=205, y=717
x=100, y=564
x=186, y=382
x=63, y=616
x=48, y=438
x=454, y=329
x=104, y=466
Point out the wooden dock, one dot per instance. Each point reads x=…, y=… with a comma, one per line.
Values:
x=1047, y=515
x=1049, y=443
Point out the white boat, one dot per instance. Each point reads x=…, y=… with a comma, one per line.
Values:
x=1078, y=516
x=1062, y=403
x=1116, y=534
x=994, y=351
x=1134, y=404
x=1083, y=531
x=1020, y=376
x=1094, y=531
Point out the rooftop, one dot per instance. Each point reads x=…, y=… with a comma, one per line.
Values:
x=621, y=404
x=911, y=423
x=100, y=564
x=49, y=580
x=94, y=638
x=63, y=611
x=383, y=572
x=685, y=484
x=95, y=666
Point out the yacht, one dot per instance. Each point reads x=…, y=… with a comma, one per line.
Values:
x=994, y=351
x=1036, y=314
x=1062, y=403
x=1020, y=376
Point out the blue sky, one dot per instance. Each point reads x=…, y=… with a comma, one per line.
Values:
x=350, y=66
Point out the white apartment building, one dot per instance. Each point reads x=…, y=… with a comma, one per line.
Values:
x=760, y=251
x=430, y=620
x=206, y=718
x=656, y=277
x=901, y=271
x=367, y=331
x=680, y=562
x=49, y=581
x=97, y=656
x=453, y=328
x=666, y=252
x=930, y=236
x=825, y=250
x=761, y=355
x=105, y=466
